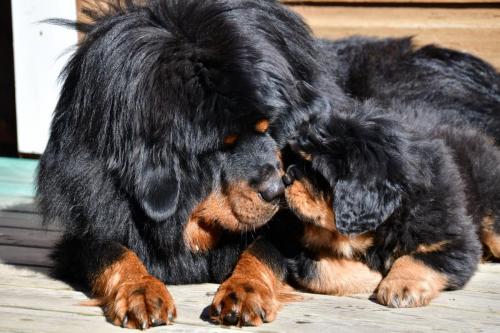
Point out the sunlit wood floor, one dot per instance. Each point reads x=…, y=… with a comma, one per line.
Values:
x=31, y=301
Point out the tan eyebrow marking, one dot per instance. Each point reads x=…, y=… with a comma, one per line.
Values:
x=262, y=126
x=230, y=139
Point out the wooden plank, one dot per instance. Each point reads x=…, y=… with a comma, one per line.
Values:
x=18, y=204
x=10, y=202
x=31, y=300
x=19, y=220
x=27, y=256
x=28, y=237
x=471, y=30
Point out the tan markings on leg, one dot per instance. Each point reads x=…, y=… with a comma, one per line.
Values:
x=349, y=247
x=435, y=247
x=489, y=238
x=309, y=206
x=343, y=277
x=410, y=283
x=251, y=296
x=131, y=297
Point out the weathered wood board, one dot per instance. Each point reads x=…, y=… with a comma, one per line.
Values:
x=31, y=301
x=473, y=30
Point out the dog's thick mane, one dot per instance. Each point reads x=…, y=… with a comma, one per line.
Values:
x=193, y=56
x=137, y=139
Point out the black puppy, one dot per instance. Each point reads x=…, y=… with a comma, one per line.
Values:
x=462, y=89
x=453, y=88
x=405, y=196
x=160, y=154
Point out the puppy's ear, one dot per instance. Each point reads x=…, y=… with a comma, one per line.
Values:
x=158, y=192
x=362, y=206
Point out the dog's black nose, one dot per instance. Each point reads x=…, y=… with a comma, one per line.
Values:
x=270, y=183
x=272, y=189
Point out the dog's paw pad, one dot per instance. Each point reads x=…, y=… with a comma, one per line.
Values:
x=405, y=293
x=141, y=304
x=242, y=303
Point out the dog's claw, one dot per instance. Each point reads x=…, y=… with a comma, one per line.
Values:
x=231, y=318
x=287, y=180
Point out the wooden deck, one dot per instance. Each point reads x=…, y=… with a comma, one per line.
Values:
x=31, y=301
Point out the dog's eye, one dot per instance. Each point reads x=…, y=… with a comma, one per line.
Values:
x=230, y=139
x=262, y=126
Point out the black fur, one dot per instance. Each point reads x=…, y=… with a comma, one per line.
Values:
x=409, y=181
x=137, y=139
x=137, y=136
x=462, y=90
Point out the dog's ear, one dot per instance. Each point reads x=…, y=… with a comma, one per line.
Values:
x=158, y=192
x=362, y=206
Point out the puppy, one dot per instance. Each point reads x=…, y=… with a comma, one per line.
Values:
x=430, y=86
x=407, y=202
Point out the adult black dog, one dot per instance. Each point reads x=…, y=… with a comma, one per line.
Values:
x=160, y=153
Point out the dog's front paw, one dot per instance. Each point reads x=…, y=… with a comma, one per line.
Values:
x=140, y=303
x=406, y=292
x=239, y=302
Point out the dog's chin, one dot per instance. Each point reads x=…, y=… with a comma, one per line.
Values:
x=249, y=208
x=237, y=209
x=260, y=217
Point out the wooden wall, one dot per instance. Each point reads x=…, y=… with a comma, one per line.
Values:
x=467, y=25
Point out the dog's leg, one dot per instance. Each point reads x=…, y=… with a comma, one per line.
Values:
x=255, y=291
x=335, y=276
x=131, y=296
x=119, y=281
x=490, y=237
x=410, y=283
x=417, y=278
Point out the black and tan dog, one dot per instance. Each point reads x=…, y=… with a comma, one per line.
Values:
x=411, y=202
x=429, y=108
x=163, y=150
x=442, y=104
x=160, y=163
x=381, y=207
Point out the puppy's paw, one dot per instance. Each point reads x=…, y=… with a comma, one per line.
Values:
x=239, y=302
x=406, y=292
x=140, y=303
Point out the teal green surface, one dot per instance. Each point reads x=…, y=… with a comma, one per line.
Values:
x=17, y=177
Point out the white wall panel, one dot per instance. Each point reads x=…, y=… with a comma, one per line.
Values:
x=40, y=52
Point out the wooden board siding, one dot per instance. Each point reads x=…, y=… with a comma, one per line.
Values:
x=473, y=30
x=467, y=25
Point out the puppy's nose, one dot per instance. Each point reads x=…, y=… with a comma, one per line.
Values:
x=272, y=189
